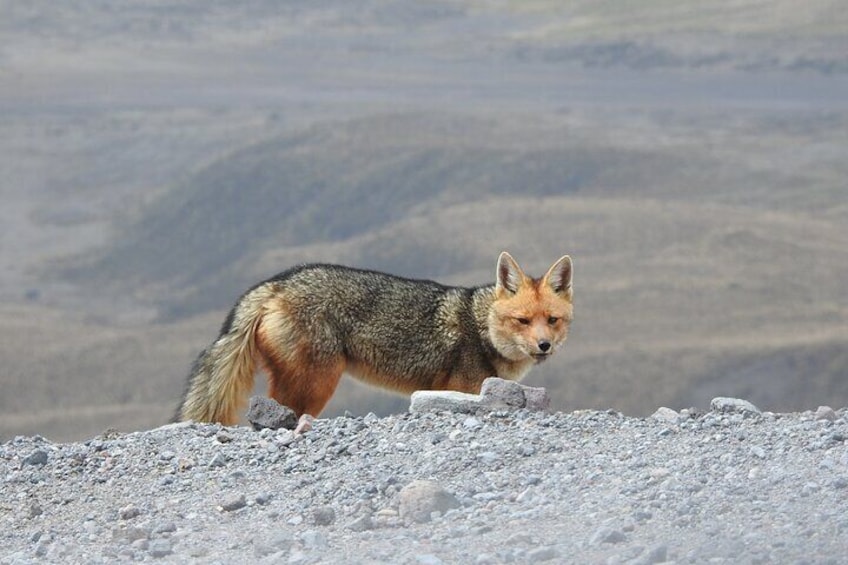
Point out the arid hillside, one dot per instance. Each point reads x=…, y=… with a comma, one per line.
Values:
x=159, y=158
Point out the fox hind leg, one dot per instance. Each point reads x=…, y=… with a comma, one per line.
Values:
x=300, y=375
x=304, y=389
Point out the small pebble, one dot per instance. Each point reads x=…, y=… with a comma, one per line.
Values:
x=607, y=535
x=361, y=524
x=38, y=457
x=233, y=503
x=323, y=515
x=218, y=460
x=129, y=512
x=159, y=548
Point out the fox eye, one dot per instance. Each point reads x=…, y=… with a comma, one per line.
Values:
x=523, y=321
x=553, y=320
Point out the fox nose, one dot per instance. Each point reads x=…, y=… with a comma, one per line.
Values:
x=544, y=345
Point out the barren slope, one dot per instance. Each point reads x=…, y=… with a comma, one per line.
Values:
x=159, y=157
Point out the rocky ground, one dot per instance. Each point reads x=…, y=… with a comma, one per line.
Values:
x=725, y=485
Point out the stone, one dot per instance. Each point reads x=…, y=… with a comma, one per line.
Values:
x=758, y=452
x=129, y=512
x=323, y=515
x=266, y=412
x=501, y=393
x=495, y=394
x=223, y=436
x=218, y=460
x=536, y=399
x=734, y=406
x=825, y=413
x=471, y=423
x=361, y=524
x=667, y=415
x=233, y=503
x=131, y=534
x=37, y=457
x=263, y=498
x=607, y=535
x=419, y=499
x=445, y=401
x=159, y=548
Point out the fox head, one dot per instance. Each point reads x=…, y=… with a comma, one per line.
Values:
x=529, y=318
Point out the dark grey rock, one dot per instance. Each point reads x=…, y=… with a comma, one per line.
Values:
x=263, y=498
x=38, y=457
x=266, y=412
x=232, y=503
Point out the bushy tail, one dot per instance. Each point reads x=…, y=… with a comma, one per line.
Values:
x=221, y=378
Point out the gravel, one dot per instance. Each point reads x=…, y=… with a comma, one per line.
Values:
x=728, y=485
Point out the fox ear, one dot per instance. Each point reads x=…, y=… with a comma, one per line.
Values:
x=559, y=276
x=509, y=276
